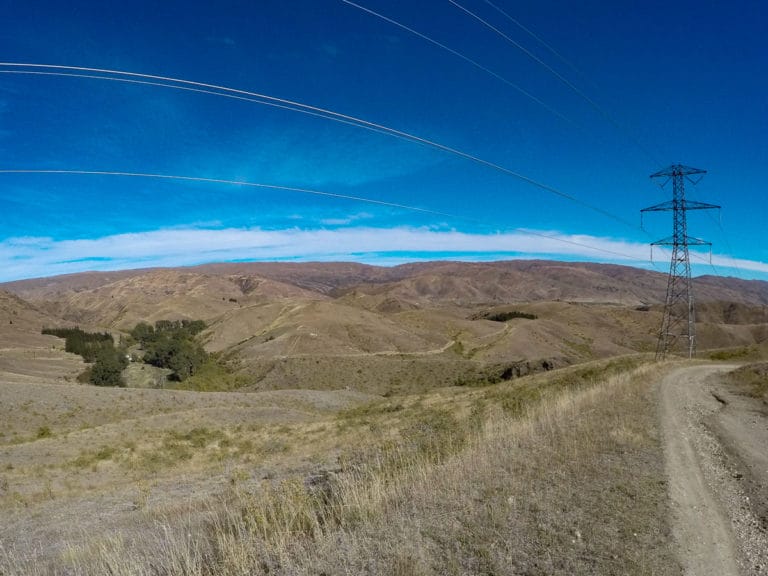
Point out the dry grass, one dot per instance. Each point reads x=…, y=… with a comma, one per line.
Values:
x=89, y=457
x=567, y=481
x=738, y=354
x=752, y=380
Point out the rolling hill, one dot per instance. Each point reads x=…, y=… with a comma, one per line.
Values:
x=336, y=364
x=26, y=355
x=345, y=325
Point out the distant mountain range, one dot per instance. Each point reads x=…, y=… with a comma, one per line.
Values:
x=458, y=282
x=328, y=325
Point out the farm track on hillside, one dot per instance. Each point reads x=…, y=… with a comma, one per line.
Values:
x=712, y=439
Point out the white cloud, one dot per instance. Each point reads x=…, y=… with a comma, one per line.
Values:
x=343, y=221
x=739, y=264
x=33, y=257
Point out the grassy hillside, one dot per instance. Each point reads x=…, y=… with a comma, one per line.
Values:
x=543, y=476
x=405, y=329
x=427, y=419
x=342, y=325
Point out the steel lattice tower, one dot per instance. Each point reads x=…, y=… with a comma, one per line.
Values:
x=679, y=320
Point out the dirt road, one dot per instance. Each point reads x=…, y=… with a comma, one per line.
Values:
x=716, y=449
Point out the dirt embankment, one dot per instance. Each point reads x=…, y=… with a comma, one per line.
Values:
x=717, y=467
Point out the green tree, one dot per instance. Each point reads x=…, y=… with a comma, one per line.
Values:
x=170, y=344
x=108, y=368
x=143, y=332
x=186, y=358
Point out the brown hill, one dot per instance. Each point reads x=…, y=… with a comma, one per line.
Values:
x=122, y=300
x=331, y=325
x=462, y=282
x=21, y=322
x=26, y=355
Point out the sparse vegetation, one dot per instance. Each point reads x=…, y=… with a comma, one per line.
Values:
x=198, y=437
x=568, y=486
x=213, y=375
x=421, y=442
x=90, y=458
x=752, y=379
x=738, y=353
x=495, y=373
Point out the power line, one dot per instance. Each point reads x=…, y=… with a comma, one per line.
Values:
x=527, y=52
x=564, y=80
x=254, y=100
x=257, y=98
x=574, y=88
x=534, y=36
x=310, y=191
x=560, y=77
x=234, y=182
x=458, y=54
x=723, y=235
x=544, y=43
x=596, y=106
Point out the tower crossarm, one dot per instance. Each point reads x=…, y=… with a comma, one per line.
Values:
x=669, y=205
x=685, y=205
x=668, y=241
x=694, y=205
x=677, y=170
x=691, y=241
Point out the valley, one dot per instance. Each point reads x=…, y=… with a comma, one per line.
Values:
x=346, y=391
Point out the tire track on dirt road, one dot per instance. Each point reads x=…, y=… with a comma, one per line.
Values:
x=715, y=528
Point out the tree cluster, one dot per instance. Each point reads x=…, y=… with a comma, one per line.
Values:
x=85, y=344
x=504, y=316
x=171, y=344
x=97, y=349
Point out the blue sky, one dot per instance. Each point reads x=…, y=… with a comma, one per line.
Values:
x=616, y=92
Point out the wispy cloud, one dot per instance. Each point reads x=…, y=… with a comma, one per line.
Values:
x=737, y=264
x=33, y=257
x=345, y=220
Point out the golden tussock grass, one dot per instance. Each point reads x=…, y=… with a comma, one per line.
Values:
x=567, y=479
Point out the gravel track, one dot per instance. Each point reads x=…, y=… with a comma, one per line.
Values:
x=717, y=525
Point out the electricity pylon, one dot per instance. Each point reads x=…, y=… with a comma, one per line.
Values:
x=679, y=320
